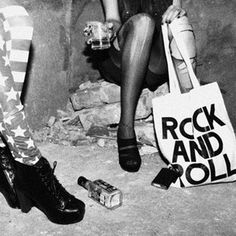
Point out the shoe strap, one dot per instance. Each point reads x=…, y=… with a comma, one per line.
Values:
x=126, y=142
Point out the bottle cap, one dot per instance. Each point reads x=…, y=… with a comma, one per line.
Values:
x=82, y=181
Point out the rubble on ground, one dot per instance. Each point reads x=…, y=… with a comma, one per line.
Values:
x=92, y=116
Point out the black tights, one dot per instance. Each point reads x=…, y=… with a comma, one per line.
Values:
x=136, y=48
x=136, y=45
x=140, y=62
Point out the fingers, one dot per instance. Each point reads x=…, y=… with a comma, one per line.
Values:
x=89, y=41
x=87, y=33
x=88, y=30
x=98, y=29
x=109, y=25
x=182, y=13
x=113, y=27
x=171, y=13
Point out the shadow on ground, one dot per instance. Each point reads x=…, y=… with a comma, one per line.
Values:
x=146, y=210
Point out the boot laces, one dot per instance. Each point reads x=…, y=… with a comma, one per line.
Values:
x=53, y=185
x=7, y=168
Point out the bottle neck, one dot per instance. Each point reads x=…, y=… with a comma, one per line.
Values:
x=86, y=185
x=82, y=181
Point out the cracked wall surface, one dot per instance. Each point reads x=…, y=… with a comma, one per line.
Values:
x=46, y=87
x=215, y=32
x=60, y=62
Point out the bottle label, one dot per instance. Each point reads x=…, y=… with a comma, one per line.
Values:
x=109, y=188
x=105, y=194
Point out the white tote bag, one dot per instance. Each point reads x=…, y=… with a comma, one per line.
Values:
x=193, y=129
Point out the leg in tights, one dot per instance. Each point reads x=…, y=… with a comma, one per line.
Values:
x=142, y=48
x=17, y=35
x=32, y=181
x=135, y=40
x=19, y=32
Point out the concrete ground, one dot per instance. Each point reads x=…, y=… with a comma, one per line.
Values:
x=146, y=210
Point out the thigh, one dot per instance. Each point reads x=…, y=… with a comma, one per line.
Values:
x=116, y=50
x=132, y=28
x=109, y=70
x=157, y=62
x=18, y=35
x=138, y=27
x=9, y=97
x=157, y=67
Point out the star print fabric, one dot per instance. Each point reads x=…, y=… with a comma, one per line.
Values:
x=18, y=33
x=14, y=50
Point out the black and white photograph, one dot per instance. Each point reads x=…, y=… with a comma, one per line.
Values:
x=117, y=117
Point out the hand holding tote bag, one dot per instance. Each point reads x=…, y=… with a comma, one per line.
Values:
x=193, y=129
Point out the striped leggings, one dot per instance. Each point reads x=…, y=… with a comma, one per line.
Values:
x=16, y=30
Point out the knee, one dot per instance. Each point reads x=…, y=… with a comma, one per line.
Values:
x=143, y=23
x=143, y=19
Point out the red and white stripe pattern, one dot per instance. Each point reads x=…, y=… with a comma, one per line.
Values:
x=18, y=29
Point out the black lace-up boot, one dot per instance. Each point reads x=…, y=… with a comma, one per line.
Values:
x=37, y=186
x=7, y=175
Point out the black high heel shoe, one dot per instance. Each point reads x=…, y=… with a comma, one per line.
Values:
x=37, y=186
x=129, y=157
x=7, y=175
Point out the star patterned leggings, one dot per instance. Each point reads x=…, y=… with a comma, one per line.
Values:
x=16, y=31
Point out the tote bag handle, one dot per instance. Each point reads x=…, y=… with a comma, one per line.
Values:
x=173, y=80
x=175, y=29
x=174, y=85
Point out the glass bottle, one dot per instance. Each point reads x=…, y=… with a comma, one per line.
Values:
x=102, y=192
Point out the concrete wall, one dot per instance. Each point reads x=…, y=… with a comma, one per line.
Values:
x=215, y=32
x=47, y=83
x=60, y=62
